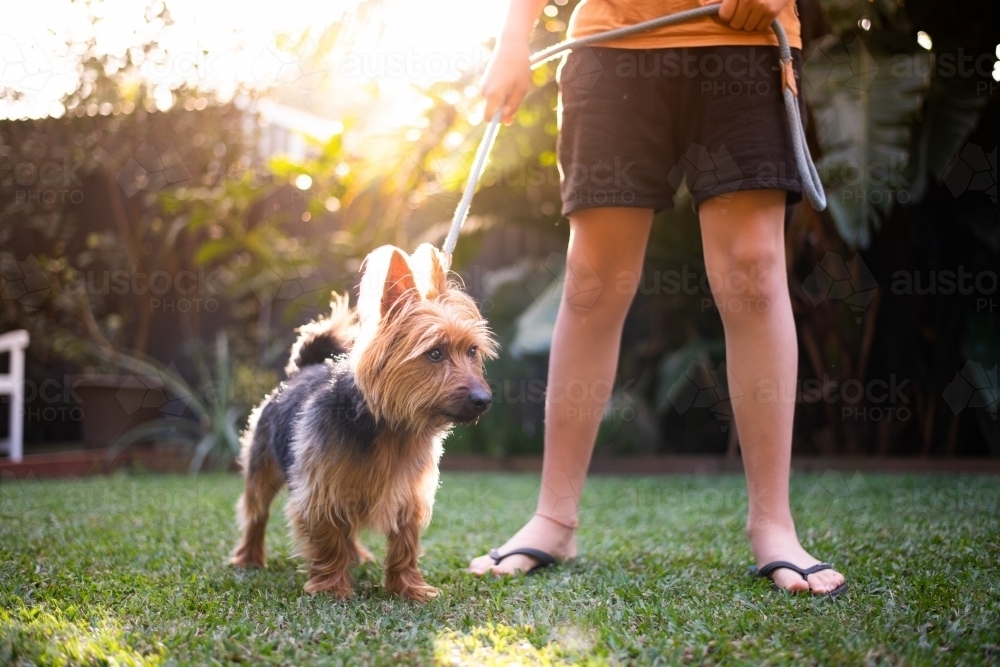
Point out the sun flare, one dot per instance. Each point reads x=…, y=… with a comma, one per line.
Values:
x=223, y=47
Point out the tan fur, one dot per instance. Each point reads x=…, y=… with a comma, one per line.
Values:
x=406, y=309
x=415, y=325
x=263, y=481
x=252, y=511
x=331, y=502
x=428, y=271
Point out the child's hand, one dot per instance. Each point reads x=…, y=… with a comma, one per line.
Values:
x=750, y=15
x=507, y=79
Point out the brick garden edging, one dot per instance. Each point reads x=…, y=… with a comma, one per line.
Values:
x=88, y=462
x=709, y=465
x=83, y=463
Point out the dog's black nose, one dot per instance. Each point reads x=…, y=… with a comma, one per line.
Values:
x=480, y=399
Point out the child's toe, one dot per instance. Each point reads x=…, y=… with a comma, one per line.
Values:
x=480, y=565
x=825, y=581
x=789, y=580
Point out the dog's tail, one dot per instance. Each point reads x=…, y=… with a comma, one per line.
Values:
x=324, y=338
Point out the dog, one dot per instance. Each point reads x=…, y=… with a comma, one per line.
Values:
x=356, y=429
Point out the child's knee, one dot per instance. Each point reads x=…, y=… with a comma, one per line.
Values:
x=746, y=268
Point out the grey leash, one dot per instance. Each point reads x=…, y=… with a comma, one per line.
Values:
x=811, y=183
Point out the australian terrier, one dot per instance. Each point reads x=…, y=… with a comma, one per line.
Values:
x=356, y=428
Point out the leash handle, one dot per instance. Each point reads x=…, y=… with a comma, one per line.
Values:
x=811, y=183
x=551, y=52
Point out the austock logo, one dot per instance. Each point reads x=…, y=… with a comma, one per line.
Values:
x=834, y=279
x=152, y=388
x=24, y=67
x=410, y=64
x=580, y=284
x=549, y=270
x=834, y=61
x=45, y=183
x=974, y=386
x=874, y=400
x=581, y=70
x=274, y=65
x=300, y=283
x=423, y=168
x=24, y=282
x=19, y=496
x=701, y=387
x=59, y=401
x=834, y=494
x=706, y=170
x=974, y=170
x=149, y=170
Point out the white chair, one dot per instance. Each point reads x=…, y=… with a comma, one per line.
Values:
x=12, y=384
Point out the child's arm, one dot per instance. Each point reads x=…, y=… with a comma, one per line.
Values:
x=508, y=75
x=752, y=15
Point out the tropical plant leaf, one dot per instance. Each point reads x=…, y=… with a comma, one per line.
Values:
x=950, y=115
x=201, y=452
x=222, y=366
x=864, y=105
x=214, y=250
x=143, y=366
x=231, y=430
x=536, y=324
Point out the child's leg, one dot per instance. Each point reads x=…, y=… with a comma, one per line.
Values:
x=743, y=237
x=604, y=244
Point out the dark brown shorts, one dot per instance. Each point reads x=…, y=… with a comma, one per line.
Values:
x=634, y=123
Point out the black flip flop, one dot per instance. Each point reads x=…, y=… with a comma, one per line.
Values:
x=544, y=559
x=766, y=571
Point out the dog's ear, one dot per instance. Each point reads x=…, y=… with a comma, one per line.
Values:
x=399, y=281
x=386, y=279
x=428, y=271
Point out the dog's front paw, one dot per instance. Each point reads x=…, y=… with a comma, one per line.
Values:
x=421, y=593
x=410, y=585
x=338, y=585
x=245, y=557
x=245, y=563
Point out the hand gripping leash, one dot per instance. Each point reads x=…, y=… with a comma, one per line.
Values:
x=810, y=177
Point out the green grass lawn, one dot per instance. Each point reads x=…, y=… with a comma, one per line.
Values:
x=131, y=570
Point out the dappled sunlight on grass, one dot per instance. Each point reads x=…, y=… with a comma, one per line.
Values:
x=497, y=644
x=132, y=570
x=38, y=637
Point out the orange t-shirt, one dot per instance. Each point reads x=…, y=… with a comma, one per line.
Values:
x=594, y=16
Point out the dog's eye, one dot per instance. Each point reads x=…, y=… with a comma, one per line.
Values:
x=435, y=354
x=472, y=351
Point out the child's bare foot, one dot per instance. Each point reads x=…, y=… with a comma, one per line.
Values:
x=539, y=533
x=772, y=543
